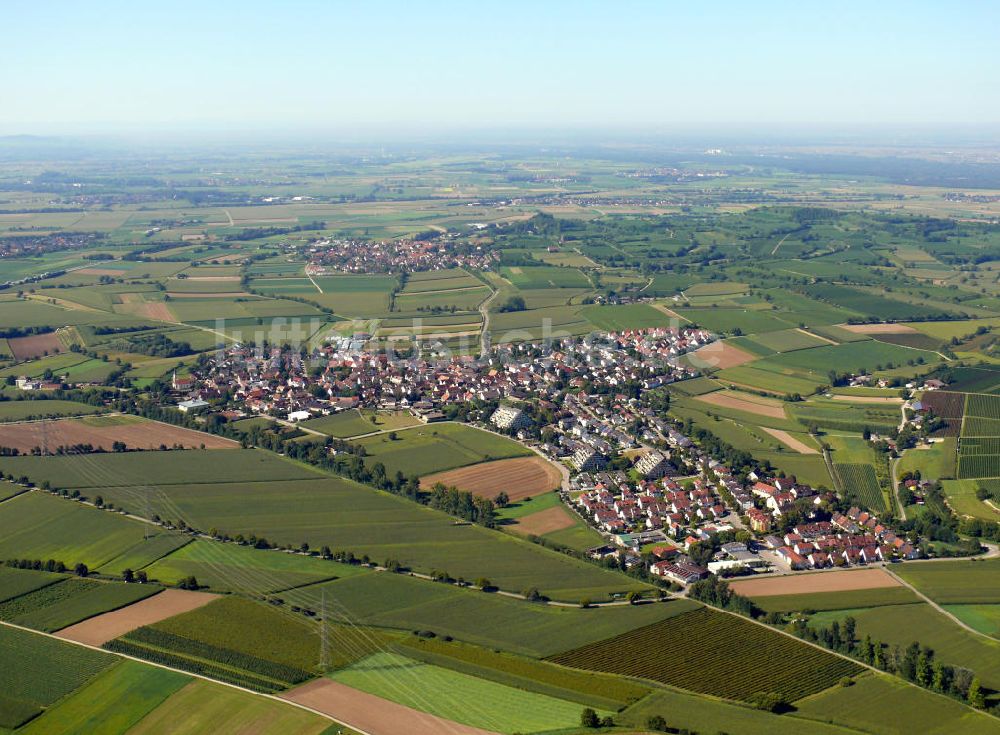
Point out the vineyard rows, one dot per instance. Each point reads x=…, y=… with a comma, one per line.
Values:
x=861, y=484
x=714, y=653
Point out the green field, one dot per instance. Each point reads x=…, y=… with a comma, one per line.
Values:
x=344, y=515
x=341, y=425
x=38, y=671
x=984, y=618
x=953, y=582
x=40, y=526
x=675, y=652
x=458, y=697
x=405, y=603
x=242, y=568
x=864, y=706
x=234, y=640
x=64, y=603
x=962, y=498
x=137, y=470
x=860, y=482
x=899, y=625
x=697, y=713
x=17, y=582
x=842, y=600
x=584, y=687
x=436, y=447
x=202, y=707
x=112, y=703
x=21, y=410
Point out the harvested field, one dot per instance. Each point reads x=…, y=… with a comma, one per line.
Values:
x=100, y=629
x=878, y=328
x=800, y=584
x=372, y=714
x=720, y=355
x=154, y=310
x=520, y=477
x=27, y=348
x=869, y=399
x=544, y=521
x=726, y=399
x=103, y=431
x=785, y=438
x=208, y=295
x=99, y=272
x=225, y=279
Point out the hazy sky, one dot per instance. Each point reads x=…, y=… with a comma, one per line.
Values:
x=281, y=64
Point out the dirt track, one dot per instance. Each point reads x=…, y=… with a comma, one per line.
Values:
x=373, y=714
x=102, y=628
x=800, y=584
x=520, y=477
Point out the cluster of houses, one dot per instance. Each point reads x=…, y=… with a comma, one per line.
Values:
x=395, y=256
x=673, y=495
x=616, y=505
x=848, y=539
x=285, y=385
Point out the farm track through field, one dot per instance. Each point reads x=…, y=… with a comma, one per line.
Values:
x=940, y=609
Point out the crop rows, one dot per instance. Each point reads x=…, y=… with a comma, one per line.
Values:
x=44, y=597
x=203, y=668
x=714, y=653
x=984, y=465
x=983, y=406
x=861, y=483
x=945, y=404
x=979, y=445
x=978, y=426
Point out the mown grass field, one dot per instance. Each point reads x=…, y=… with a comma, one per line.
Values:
x=584, y=687
x=457, y=696
x=700, y=651
x=436, y=447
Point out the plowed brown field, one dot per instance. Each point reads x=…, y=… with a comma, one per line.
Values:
x=520, y=477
